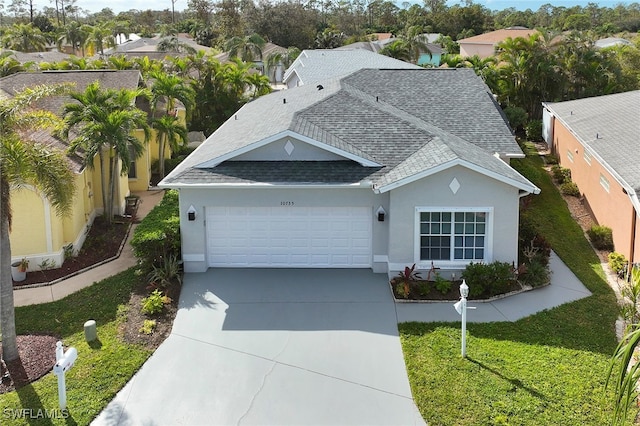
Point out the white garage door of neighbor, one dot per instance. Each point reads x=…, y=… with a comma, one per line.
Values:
x=311, y=237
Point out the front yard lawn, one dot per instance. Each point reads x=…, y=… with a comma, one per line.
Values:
x=547, y=369
x=101, y=369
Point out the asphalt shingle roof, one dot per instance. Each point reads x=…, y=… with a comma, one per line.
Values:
x=610, y=126
x=405, y=121
x=313, y=66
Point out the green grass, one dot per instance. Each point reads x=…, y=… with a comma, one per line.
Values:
x=547, y=369
x=101, y=370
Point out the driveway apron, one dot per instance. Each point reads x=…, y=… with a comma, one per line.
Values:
x=275, y=347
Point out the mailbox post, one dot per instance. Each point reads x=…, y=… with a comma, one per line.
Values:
x=64, y=361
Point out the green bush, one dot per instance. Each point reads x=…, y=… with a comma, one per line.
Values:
x=535, y=274
x=443, y=285
x=424, y=288
x=560, y=174
x=533, y=129
x=154, y=303
x=488, y=279
x=601, y=237
x=617, y=262
x=552, y=159
x=157, y=237
x=516, y=116
x=570, y=188
x=531, y=244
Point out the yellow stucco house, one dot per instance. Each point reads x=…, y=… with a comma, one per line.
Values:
x=38, y=233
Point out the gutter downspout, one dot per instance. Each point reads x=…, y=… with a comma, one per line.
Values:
x=634, y=220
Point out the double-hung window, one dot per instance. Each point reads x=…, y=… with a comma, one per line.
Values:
x=459, y=236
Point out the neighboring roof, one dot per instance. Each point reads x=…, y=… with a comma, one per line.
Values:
x=313, y=66
x=112, y=79
x=377, y=46
x=609, y=127
x=497, y=36
x=145, y=44
x=391, y=132
x=611, y=41
x=38, y=57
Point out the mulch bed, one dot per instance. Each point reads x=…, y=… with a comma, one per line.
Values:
x=102, y=242
x=37, y=352
x=434, y=295
x=37, y=358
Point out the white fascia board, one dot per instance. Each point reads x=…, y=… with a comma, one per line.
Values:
x=500, y=178
x=361, y=185
x=284, y=134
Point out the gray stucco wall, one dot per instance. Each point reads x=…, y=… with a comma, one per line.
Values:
x=194, y=247
x=300, y=151
x=476, y=190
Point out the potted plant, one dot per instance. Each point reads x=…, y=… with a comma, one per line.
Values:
x=19, y=269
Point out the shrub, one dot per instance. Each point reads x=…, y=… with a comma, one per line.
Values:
x=443, y=285
x=167, y=273
x=424, y=288
x=531, y=244
x=570, y=188
x=488, y=279
x=601, y=237
x=552, y=159
x=405, y=279
x=535, y=274
x=157, y=237
x=560, y=174
x=154, y=303
x=147, y=326
x=617, y=262
x=516, y=116
x=533, y=130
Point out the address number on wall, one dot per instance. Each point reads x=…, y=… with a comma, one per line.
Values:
x=287, y=203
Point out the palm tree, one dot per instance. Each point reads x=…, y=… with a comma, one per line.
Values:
x=398, y=49
x=283, y=59
x=74, y=34
x=98, y=37
x=104, y=121
x=169, y=131
x=247, y=48
x=172, y=44
x=259, y=83
x=169, y=88
x=24, y=38
x=623, y=371
x=23, y=162
x=10, y=65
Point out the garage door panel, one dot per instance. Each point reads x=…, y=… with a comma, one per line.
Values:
x=289, y=236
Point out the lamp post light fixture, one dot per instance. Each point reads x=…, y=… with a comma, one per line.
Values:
x=461, y=307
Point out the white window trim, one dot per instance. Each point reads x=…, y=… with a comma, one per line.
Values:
x=604, y=182
x=587, y=157
x=453, y=264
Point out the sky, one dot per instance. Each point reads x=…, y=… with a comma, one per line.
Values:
x=124, y=5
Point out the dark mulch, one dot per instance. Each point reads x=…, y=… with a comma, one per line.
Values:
x=102, y=242
x=130, y=329
x=37, y=358
x=425, y=290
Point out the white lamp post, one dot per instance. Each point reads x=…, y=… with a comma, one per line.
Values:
x=461, y=307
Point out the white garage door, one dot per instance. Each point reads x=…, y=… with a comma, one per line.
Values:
x=312, y=237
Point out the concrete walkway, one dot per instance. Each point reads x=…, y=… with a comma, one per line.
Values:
x=50, y=293
x=564, y=288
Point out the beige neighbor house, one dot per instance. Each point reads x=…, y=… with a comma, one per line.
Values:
x=598, y=138
x=484, y=45
x=37, y=233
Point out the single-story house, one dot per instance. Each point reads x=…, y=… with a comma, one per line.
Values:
x=598, y=139
x=380, y=169
x=314, y=66
x=484, y=45
x=37, y=233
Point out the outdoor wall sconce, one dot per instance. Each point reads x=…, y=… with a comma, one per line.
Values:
x=191, y=213
x=380, y=212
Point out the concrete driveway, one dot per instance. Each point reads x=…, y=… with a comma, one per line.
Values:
x=275, y=347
